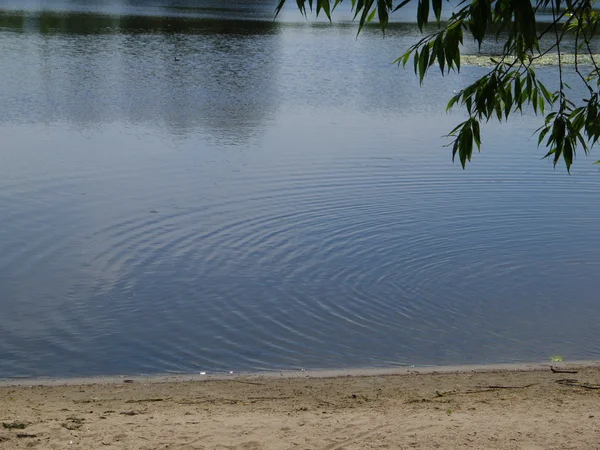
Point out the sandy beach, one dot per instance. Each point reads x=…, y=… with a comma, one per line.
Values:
x=521, y=407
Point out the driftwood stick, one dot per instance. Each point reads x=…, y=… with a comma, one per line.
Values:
x=144, y=400
x=247, y=382
x=562, y=370
x=576, y=383
x=482, y=389
x=511, y=387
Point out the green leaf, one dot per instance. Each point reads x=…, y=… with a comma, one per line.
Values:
x=451, y=103
x=372, y=15
x=541, y=104
x=466, y=145
x=416, y=61
x=423, y=60
x=543, y=134
x=403, y=59
x=437, y=9
x=547, y=95
x=456, y=59
x=363, y=7
x=422, y=13
x=441, y=57
x=476, y=134
x=324, y=5
x=568, y=152
x=405, y=2
x=382, y=9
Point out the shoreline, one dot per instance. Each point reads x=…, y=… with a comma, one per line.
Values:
x=499, y=406
x=292, y=374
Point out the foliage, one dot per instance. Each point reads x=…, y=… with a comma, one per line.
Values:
x=511, y=84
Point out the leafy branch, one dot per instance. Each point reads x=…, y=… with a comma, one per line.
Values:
x=511, y=84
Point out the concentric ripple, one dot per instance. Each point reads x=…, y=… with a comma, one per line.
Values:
x=240, y=215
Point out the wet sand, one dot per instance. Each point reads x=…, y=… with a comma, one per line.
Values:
x=491, y=407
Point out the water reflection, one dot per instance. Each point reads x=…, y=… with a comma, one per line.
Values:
x=246, y=9
x=217, y=75
x=51, y=22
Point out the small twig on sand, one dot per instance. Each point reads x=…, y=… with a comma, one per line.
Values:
x=576, y=383
x=511, y=387
x=14, y=425
x=481, y=389
x=325, y=402
x=495, y=387
x=442, y=393
x=26, y=435
x=130, y=413
x=270, y=398
x=562, y=370
x=247, y=382
x=143, y=400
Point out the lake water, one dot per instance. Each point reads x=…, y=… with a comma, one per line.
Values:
x=181, y=190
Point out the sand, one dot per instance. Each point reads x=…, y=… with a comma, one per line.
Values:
x=507, y=408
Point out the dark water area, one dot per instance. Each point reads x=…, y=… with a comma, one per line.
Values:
x=188, y=188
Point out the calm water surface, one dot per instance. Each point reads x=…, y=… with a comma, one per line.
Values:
x=181, y=191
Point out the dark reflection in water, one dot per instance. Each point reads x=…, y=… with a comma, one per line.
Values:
x=217, y=74
x=52, y=22
x=183, y=190
x=236, y=9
